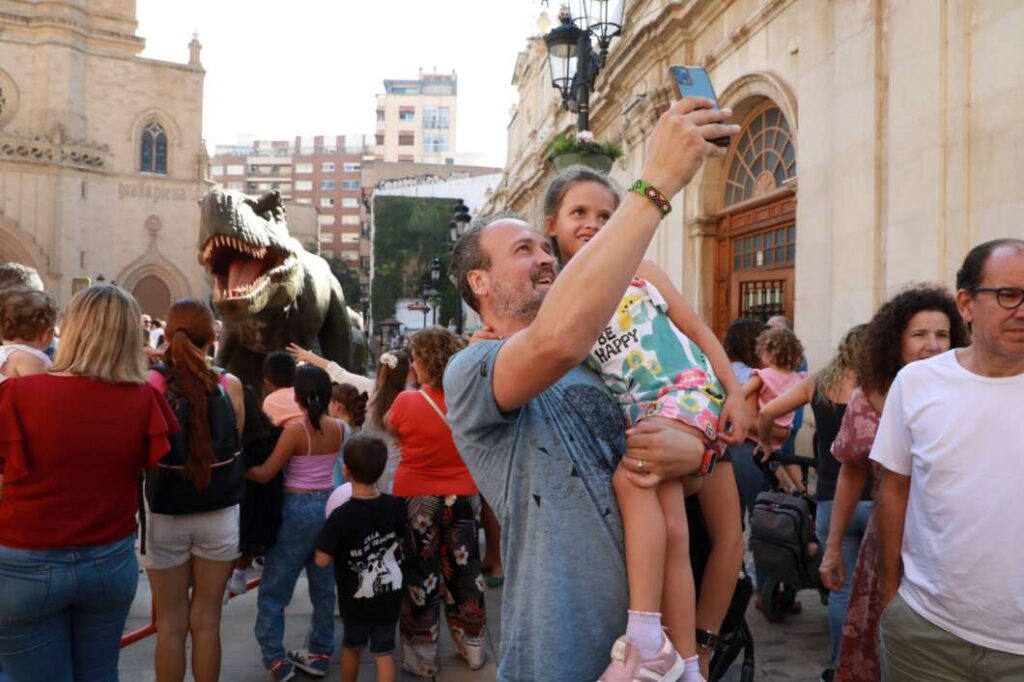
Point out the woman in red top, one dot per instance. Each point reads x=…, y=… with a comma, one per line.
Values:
x=72, y=445
x=443, y=506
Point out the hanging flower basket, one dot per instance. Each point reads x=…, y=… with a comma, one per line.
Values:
x=569, y=150
x=602, y=163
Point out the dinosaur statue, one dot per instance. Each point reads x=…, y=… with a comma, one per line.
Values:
x=267, y=289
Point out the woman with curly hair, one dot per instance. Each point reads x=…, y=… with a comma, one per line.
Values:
x=917, y=323
x=443, y=506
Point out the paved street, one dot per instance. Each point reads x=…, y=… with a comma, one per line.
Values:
x=793, y=651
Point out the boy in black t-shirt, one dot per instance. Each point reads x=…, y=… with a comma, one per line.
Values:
x=364, y=536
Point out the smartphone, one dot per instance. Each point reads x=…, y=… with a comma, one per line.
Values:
x=693, y=81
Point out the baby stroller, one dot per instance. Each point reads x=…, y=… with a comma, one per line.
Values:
x=734, y=636
x=781, y=535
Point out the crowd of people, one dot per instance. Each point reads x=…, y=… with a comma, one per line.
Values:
x=571, y=430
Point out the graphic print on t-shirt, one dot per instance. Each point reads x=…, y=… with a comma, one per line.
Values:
x=378, y=571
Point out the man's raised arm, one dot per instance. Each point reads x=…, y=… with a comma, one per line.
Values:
x=586, y=293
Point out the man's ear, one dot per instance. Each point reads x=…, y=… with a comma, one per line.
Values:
x=964, y=301
x=479, y=282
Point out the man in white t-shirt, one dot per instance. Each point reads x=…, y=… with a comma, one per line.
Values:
x=950, y=504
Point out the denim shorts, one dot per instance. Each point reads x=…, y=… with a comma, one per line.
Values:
x=172, y=540
x=381, y=636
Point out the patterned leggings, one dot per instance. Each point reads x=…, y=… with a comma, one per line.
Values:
x=443, y=562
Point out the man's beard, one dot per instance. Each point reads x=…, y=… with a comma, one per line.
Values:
x=519, y=300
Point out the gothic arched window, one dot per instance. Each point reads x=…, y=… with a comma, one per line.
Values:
x=764, y=156
x=153, y=149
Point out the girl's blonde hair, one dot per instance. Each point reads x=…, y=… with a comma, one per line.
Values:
x=783, y=346
x=100, y=336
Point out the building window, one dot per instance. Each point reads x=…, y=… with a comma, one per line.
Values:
x=350, y=167
x=378, y=139
x=350, y=255
x=762, y=159
x=251, y=186
x=327, y=237
x=327, y=184
x=436, y=118
x=435, y=143
x=349, y=202
x=303, y=168
x=380, y=114
x=350, y=184
x=328, y=167
x=153, y=149
x=304, y=200
x=406, y=139
x=349, y=237
x=349, y=220
x=326, y=202
x=770, y=249
x=326, y=219
x=237, y=186
x=303, y=185
x=236, y=170
x=217, y=170
x=407, y=114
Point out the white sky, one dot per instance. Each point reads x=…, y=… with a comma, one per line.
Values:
x=302, y=67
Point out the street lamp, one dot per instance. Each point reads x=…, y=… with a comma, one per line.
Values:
x=571, y=58
x=435, y=280
x=456, y=228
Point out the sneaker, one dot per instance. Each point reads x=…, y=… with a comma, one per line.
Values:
x=236, y=583
x=282, y=670
x=627, y=665
x=307, y=661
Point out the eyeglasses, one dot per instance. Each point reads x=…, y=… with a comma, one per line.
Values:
x=1009, y=298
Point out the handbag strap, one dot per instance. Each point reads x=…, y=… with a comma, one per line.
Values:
x=436, y=408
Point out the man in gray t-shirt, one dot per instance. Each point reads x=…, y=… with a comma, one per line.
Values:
x=546, y=469
x=541, y=434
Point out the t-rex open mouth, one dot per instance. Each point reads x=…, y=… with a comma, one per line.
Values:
x=241, y=269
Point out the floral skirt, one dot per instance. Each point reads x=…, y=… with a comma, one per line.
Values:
x=860, y=651
x=443, y=563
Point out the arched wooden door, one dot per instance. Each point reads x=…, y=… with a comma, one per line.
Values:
x=153, y=295
x=756, y=233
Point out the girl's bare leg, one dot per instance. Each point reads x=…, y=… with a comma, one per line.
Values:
x=720, y=504
x=678, y=602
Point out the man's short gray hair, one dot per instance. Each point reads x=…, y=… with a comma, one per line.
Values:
x=469, y=255
x=17, y=275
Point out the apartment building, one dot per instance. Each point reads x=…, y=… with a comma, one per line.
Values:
x=322, y=171
x=416, y=119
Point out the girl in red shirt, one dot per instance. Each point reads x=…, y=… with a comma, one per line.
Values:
x=72, y=445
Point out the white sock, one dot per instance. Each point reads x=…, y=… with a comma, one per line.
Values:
x=643, y=629
x=692, y=672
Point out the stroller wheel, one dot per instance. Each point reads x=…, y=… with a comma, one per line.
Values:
x=773, y=600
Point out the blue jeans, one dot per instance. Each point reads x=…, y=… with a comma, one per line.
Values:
x=302, y=517
x=62, y=611
x=839, y=600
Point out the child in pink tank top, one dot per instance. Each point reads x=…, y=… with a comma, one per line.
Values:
x=781, y=353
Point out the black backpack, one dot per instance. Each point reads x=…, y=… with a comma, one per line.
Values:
x=168, y=490
x=781, y=527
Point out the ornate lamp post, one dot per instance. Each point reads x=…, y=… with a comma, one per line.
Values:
x=571, y=57
x=435, y=279
x=457, y=228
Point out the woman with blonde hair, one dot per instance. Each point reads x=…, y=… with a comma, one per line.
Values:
x=828, y=392
x=67, y=515
x=193, y=497
x=442, y=504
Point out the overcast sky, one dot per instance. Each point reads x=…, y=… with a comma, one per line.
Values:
x=276, y=69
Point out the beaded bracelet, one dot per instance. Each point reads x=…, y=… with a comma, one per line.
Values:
x=646, y=189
